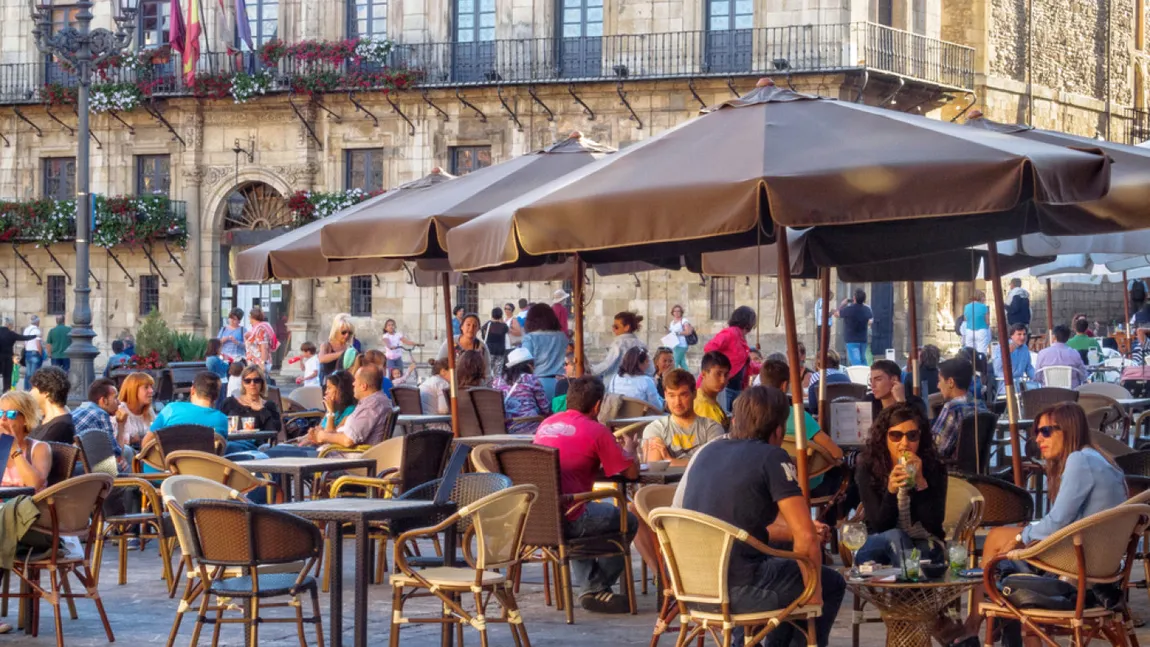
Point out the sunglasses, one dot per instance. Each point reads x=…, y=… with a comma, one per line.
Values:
x=345, y=333
x=11, y=414
x=897, y=436
x=253, y=380
x=1048, y=430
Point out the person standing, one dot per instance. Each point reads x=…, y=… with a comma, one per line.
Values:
x=1017, y=304
x=547, y=345
x=976, y=324
x=681, y=328
x=856, y=325
x=8, y=339
x=33, y=351
x=1138, y=292
x=819, y=321
x=514, y=332
x=59, y=339
x=732, y=343
x=332, y=352
x=261, y=340
x=1019, y=359
x=558, y=299
x=232, y=336
x=495, y=336
x=393, y=342
x=625, y=326
x=457, y=320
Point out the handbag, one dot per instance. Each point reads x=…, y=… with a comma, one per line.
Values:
x=692, y=338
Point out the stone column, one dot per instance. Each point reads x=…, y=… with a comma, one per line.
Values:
x=193, y=181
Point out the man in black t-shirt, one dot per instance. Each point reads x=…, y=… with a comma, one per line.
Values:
x=856, y=324
x=748, y=480
x=495, y=335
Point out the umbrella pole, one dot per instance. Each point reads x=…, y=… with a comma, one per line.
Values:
x=577, y=297
x=450, y=353
x=912, y=307
x=1007, y=369
x=1126, y=309
x=1049, y=313
x=824, y=342
x=788, y=305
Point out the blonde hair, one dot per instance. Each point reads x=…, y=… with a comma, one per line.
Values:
x=129, y=394
x=252, y=368
x=24, y=403
x=338, y=323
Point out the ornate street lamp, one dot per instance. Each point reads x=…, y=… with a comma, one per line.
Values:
x=83, y=49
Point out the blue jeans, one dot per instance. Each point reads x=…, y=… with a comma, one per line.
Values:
x=777, y=582
x=680, y=353
x=32, y=361
x=886, y=548
x=598, y=575
x=63, y=362
x=856, y=354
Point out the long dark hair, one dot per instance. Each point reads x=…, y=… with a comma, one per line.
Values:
x=344, y=382
x=877, y=456
x=633, y=359
x=511, y=374
x=540, y=317
x=470, y=369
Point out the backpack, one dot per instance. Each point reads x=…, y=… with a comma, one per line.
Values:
x=1138, y=291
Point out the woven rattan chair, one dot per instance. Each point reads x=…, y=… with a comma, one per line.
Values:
x=1116, y=391
x=407, y=400
x=309, y=397
x=845, y=390
x=489, y=405
x=221, y=470
x=119, y=519
x=68, y=509
x=64, y=458
x=647, y=499
x=1003, y=503
x=635, y=408
x=469, y=424
x=1096, y=550
x=483, y=458
x=178, y=438
x=498, y=522
x=1035, y=400
x=468, y=489
x=545, y=540
x=964, y=505
x=1104, y=414
x=1142, y=498
x=1110, y=446
x=974, y=440
x=697, y=549
x=248, y=536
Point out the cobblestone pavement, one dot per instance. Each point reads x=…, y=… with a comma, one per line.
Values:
x=141, y=614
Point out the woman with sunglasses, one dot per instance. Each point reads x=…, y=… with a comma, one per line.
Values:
x=902, y=485
x=30, y=460
x=332, y=351
x=252, y=401
x=625, y=327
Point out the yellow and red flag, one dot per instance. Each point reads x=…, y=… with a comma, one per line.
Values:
x=192, y=41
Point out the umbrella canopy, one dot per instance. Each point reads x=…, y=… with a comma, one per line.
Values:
x=718, y=181
x=416, y=226
x=296, y=254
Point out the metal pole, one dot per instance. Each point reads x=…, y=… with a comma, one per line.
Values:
x=824, y=343
x=912, y=307
x=577, y=298
x=787, y=303
x=450, y=353
x=1007, y=369
x=1049, y=313
x=1126, y=303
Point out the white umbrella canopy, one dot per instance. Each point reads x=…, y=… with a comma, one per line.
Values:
x=1125, y=243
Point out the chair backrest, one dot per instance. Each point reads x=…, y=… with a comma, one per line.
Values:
x=974, y=443
x=407, y=399
x=697, y=549
x=389, y=424
x=1134, y=463
x=489, y=409
x=499, y=520
x=819, y=460
x=210, y=466
x=1105, y=538
x=311, y=397
x=963, y=509
x=483, y=458
x=386, y=455
x=276, y=397
x=1003, y=503
x=468, y=488
x=469, y=424
x=187, y=437
x=63, y=462
x=68, y=509
x=1035, y=400
x=1141, y=497
x=935, y=402
x=1057, y=376
x=1116, y=391
x=1110, y=446
x=178, y=490
x=538, y=466
x=456, y=463
x=845, y=390
x=650, y=497
x=425, y=454
x=97, y=454
x=858, y=374
x=238, y=533
x=634, y=408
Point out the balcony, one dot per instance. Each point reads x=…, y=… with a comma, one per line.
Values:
x=119, y=220
x=800, y=49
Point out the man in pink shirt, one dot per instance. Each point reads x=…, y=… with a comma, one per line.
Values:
x=586, y=450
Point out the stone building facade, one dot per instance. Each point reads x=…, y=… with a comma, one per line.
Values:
x=500, y=78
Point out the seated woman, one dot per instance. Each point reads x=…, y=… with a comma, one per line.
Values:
x=134, y=419
x=523, y=393
x=30, y=460
x=664, y=361
x=902, y=485
x=338, y=403
x=470, y=370
x=633, y=379
x=252, y=402
x=434, y=391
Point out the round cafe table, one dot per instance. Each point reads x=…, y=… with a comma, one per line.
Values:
x=909, y=609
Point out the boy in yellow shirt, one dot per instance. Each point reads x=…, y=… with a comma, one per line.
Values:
x=712, y=381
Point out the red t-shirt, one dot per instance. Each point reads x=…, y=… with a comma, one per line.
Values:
x=584, y=445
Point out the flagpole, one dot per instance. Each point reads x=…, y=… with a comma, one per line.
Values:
x=207, y=35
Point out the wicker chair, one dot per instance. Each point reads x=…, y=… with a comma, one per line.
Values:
x=1003, y=503
x=489, y=406
x=845, y=390
x=309, y=397
x=483, y=458
x=1110, y=446
x=697, y=549
x=1035, y=400
x=633, y=408
x=545, y=539
x=1090, y=551
x=64, y=458
x=221, y=470
x=468, y=489
x=974, y=443
x=248, y=536
x=1142, y=497
x=498, y=521
x=407, y=400
x=286, y=414
x=1116, y=391
x=176, y=438
x=469, y=424
x=646, y=500
x=819, y=462
x=68, y=509
x=98, y=457
x=1104, y=414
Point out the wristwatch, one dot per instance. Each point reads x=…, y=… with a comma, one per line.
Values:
x=1018, y=539
x=15, y=453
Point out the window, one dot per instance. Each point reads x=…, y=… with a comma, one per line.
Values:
x=582, y=18
x=263, y=18
x=57, y=295
x=365, y=169
x=729, y=35
x=60, y=178
x=581, y=44
x=474, y=21
x=61, y=15
x=367, y=18
x=730, y=14
x=361, y=296
x=155, y=22
x=465, y=159
x=467, y=295
x=149, y=294
x=473, y=53
x=722, y=297
x=153, y=174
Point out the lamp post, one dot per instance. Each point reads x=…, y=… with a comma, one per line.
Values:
x=83, y=49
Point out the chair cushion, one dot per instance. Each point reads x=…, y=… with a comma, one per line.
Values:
x=810, y=610
x=1093, y=612
x=271, y=584
x=448, y=577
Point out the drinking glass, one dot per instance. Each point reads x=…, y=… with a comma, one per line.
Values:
x=233, y=424
x=957, y=556
x=911, y=565
x=249, y=423
x=853, y=537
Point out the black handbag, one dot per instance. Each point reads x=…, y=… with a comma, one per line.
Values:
x=1030, y=591
x=692, y=338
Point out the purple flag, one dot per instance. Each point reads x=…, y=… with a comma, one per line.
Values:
x=177, y=32
x=243, y=27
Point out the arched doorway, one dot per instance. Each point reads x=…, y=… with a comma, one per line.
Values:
x=254, y=213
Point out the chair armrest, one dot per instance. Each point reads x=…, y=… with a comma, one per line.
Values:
x=810, y=572
x=623, y=432
x=402, y=540
x=514, y=421
x=306, y=415
x=373, y=485
x=358, y=449
x=598, y=495
x=1138, y=422
x=147, y=491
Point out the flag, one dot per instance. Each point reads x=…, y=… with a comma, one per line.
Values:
x=243, y=27
x=192, y=42
x=223, y=32
x=177, y=33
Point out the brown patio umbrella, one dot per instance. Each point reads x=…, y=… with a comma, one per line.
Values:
x=296, y=254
